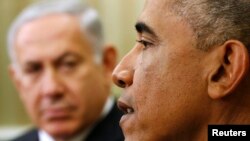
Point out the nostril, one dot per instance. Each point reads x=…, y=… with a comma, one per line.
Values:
x=123, y=78
x=121, y=83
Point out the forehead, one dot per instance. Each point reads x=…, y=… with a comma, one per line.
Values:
x=160, y=9
x=49, y=37
x=47, y=28
x=159, y=15
x=156, y=6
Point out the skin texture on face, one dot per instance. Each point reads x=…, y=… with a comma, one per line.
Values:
x=164, y=81
x=62, y=87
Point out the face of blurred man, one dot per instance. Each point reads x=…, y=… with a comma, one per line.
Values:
x=163, y=79
x=61, y=85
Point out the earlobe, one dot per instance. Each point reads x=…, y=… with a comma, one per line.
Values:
x=231, y=65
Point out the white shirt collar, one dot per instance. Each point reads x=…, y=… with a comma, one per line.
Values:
x=43, y=136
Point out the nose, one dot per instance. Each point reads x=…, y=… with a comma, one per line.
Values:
x=51, y=84
x=124, y=72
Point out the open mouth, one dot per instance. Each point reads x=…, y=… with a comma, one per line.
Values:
x=125, y=107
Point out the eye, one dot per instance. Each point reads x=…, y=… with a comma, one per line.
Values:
x=145, y=43
x=32, y=68
x=68, y=65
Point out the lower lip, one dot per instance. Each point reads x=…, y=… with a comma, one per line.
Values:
x=125, y=119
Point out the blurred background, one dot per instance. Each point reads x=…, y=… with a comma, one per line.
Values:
x=118, y=17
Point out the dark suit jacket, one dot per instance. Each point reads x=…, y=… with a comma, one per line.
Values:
x=106, y=130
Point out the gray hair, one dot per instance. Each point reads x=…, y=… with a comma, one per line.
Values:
x=216, y=21
x=88, y=18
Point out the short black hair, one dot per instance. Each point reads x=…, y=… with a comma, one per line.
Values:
x=215, y=21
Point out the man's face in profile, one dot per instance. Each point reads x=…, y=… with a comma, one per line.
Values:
x=61, y=85
x=162, y=77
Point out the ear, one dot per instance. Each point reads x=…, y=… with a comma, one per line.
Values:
x=109, y=58
x=231, y=63
x=15, y=76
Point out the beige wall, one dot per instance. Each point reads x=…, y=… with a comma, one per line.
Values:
x=118, y=17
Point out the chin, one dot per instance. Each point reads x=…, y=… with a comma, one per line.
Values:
x=61, y=133
x=62, y=130
x=144, y=137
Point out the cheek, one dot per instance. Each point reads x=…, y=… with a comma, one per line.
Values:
x=168, y=93
x=79, y=89
x=30, y=99
x=80, y=82
x=163, y=108
x=85, y=82
x=87, y=89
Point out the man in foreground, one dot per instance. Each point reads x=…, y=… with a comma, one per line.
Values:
x=188, y=69
x=62, y=70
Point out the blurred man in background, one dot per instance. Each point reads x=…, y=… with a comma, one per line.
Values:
x=189, y=68
x=62, y=70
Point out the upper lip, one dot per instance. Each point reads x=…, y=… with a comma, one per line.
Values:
x=57, y=110
x=56, y=113
x=123, y=106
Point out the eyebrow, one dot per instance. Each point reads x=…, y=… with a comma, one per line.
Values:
x=56, y=60
x=68, y=54
x=141, y=27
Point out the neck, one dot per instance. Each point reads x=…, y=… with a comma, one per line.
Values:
x=233, y=110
